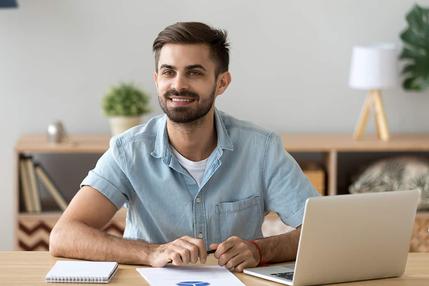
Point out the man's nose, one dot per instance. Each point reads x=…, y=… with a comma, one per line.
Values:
x=180, y=82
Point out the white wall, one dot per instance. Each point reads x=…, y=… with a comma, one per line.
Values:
x=289, y=61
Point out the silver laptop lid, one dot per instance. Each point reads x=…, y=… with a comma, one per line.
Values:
x=355, y=237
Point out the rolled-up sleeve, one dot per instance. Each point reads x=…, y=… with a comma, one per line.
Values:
x=109, y=176
x=286, y=186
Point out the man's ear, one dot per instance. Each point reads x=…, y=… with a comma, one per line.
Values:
x=155, y=79
x=223, y=81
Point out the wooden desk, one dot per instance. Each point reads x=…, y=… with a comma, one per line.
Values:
x=29, y=268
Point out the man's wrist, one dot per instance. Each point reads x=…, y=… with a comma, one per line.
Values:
x=149, y=253
x=261, y=261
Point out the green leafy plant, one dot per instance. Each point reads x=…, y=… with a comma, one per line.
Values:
x=125, y=99
x=416, y=49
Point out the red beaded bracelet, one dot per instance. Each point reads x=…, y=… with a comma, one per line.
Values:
x=261, y=261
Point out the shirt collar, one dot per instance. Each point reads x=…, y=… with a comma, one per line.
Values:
x=162, y=148
x=161, y=141
x=223, y=139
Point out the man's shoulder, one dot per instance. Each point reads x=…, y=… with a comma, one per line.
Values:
x=242, y=128
x=144, y=133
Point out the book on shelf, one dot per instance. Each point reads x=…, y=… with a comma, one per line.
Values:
x=33, y=177
x=37, y=207
x=25, y=186
x=50, y=186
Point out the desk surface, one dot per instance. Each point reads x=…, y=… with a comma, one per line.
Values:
x=30, y=268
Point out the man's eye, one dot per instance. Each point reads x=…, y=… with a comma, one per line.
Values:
x=195, y=73
x=167, y=72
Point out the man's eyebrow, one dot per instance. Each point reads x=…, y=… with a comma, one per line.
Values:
x=167, y=67
x=195, y=67
x=190, y=67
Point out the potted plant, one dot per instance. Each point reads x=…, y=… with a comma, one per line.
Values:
x=125, y=104
x=416, y=49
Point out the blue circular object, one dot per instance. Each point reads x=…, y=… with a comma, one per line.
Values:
x=193, y=283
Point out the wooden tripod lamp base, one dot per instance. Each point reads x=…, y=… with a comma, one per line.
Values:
x=373, y=101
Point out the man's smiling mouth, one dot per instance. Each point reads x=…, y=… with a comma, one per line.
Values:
x=177, y=99
x=181, y=101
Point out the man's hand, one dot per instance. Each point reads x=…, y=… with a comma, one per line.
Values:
x=181, y=251
x=236, y=254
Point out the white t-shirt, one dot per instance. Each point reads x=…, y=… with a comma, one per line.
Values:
x=195, y=169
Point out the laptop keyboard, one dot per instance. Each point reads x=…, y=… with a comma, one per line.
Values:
x=285, y=275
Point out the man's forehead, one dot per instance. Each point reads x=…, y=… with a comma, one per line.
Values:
x=185, y=55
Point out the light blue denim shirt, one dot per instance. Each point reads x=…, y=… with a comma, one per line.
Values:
x=248, y=174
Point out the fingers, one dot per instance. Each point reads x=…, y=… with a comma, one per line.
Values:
x=179, y=255
x=235, y=254
x=176, y=258
x=185, y=250
x=202, y=251
x=234, y=262
x=227, y=256
x=241, y=266
x=226, y=245
x=188, y=251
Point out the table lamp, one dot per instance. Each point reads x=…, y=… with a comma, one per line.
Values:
x=373, y=68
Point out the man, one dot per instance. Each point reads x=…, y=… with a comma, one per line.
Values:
x=193, y=179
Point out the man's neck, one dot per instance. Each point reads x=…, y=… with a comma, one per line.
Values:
x=194, y=140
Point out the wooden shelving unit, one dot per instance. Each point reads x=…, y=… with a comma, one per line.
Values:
x=332, y=151
x=330, y=146
x=32, y=228
x=327, y=150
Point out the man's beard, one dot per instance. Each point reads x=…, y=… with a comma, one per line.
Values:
x=186, y=114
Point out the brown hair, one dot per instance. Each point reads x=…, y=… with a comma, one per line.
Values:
x=195, y=33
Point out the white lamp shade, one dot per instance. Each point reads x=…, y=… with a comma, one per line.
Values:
x=374, y=67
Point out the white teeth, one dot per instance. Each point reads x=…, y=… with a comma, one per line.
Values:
x=181, y=99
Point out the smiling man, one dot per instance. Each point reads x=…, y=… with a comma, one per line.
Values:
x=194, y=179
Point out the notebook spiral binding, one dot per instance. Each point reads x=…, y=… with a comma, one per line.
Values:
x=76, y=279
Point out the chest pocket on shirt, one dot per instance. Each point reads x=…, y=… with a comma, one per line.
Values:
x=241, y=218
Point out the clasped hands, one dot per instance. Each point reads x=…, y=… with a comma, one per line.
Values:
x=234, y=253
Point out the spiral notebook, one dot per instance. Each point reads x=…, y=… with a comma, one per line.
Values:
x=82, y=272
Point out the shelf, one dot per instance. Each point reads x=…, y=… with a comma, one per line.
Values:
x=73, y=144
x=294, y=142
x=119, y=215
x=345, y=143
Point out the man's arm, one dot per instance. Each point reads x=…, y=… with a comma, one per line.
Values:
x=78, y=234
x=237, y=254
x=280, y=248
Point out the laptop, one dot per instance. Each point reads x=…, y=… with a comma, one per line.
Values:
x=349, y=238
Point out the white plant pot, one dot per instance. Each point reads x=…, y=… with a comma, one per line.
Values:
x=119, y=124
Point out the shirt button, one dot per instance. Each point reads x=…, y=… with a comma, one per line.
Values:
x=198, y=200
x=200, y=235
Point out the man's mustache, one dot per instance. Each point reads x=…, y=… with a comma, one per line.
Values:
x=187, y=93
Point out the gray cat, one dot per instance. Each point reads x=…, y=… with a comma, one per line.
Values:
x=395, y=174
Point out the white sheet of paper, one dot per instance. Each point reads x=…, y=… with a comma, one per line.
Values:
x=212, y=275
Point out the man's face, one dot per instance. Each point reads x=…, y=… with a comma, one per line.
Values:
x=186, y=81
